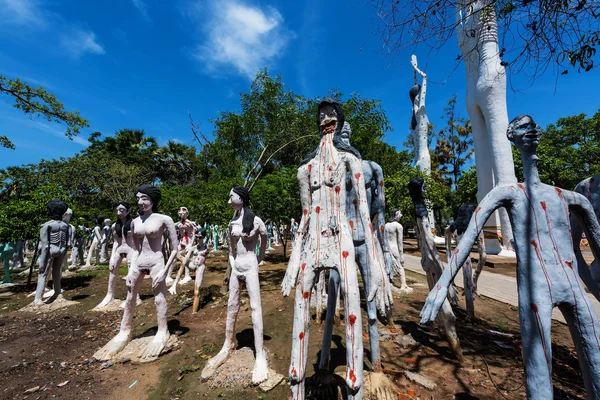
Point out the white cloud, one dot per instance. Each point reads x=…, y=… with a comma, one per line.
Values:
x=240, y=36
x=141, y=7
x=60, y=133
x=21, y=12
x=78, y=42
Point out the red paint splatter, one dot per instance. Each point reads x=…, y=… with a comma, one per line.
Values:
x=337, y=189
x=305, y=295
x=331, y=167
x=352, y=376
x=543, y=204
x=305, y=211
x=301, y=335
x=345, y=254
x=351, y=223
x=371, y=227
x=309, y=168
x=559, y=190
x=317, y=209
x=534, y=307
x=382, y=228
x=352, y=319
x=355, y=202
x=569, y=263
x=521, y=186
x=381, y=183
x=303, y=266
x=357, y=175
x=294, y=372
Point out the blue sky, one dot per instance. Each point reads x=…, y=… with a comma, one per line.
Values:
x=142, y=63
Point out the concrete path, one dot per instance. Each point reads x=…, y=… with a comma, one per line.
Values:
x=495, y=286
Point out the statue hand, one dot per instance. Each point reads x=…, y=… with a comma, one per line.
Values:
x=129, y=281
x=433, y=303
x=160, y=277
x=173, y=289
x=289, y=280
x=380, y=289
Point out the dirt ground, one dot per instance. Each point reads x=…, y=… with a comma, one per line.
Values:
x=53, y=351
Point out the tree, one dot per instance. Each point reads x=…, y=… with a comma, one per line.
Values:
x=40, y=103
x=534, y=34
x=454, y=145
x=466, y=190
x=568, y=151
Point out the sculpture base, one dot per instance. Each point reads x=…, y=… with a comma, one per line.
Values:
x=507, y=253
x=134, y=349
x=236, y=372
x=114, y=305
x=48, y=306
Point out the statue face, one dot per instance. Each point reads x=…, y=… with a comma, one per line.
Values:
x=235, y=201
x=346, y=133
x=183, y=212
x=397, y=216
x=328, y=119
x=524, y=133
x=144, y=202
x=122, y=211
x=107, y=222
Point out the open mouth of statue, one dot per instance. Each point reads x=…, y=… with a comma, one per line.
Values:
x=328, y=125
x=532, y=137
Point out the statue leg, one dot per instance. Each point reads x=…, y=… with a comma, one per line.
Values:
x=353, y=321
x=535, y=317
x=74, y=254
x=233, y=308
x=113, y=267
x=468, y=287
x=259, y=373
x=300, y=332
x=187, y=278
x=197, y=285
x=42, y=274
x=159, y=342
x=91, y=253
x=585, y=329
x=57, y=263
x=334, y=285
x=361, y=260
x=6, y=271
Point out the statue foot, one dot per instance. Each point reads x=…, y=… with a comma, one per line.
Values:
x=403, y=290
x=104, y=302
x=156, y=346
x=380, y=387
x=215, y=362
x=260, y=371
x=48, y=293
x=113, y=347
x=169, y=281
x=185, y=280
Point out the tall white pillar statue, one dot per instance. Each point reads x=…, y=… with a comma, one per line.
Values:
x=477, y=34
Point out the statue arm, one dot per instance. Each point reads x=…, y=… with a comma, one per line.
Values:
x=170, y=225
x=232, y=249
x=500, y=196
x=114, y=234
x=262, y=231
x=98, y=233
x=378, y=176
x=291, y=274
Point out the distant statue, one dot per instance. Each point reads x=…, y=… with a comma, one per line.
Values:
x=394, y=232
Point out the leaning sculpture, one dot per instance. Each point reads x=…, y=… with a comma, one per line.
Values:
x=547, y=271
x=324, y=241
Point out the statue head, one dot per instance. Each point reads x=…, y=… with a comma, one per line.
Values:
x=239, y=198
x=183, y=212
x=395, y=214
x=56, y=209
x=346, y=133
x=123, y=210
x=106, y=222
x=414, y=93
x=148, y=197
x=416, y=188
x=99, y=220
x=67, y=215
x=330, y=116
x=462, y=219
x=524, y=133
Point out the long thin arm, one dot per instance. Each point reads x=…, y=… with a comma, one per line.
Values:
x=380, y=216
x=262, y=230
x=170, y=225
x=501, y=196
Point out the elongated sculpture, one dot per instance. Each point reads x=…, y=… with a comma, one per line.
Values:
x=457, y=229
x=194, y=261
x=432, y=263
x=325, y=242
x=106, y=236
x=546, y=267
x=374, y=190
x=54, y=240
x=78, y=252
x=96, y=242
x=19, y=258
x=7, y=250
x=122, y=248
x=186, y=230
x=244, y=231
x=394, y=234
x=477, y=34
x=147, y=259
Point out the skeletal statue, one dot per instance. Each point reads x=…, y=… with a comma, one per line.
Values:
x=457, y=229
x=186, y=230
x=324, y=241
x=432, y=263
x=394, y=233
x=147, y=259
x=244, y=231
x=374, y=190
x=590, y=274
x=547, y=272
x=7, y=250
x=19, y=259
x=122, y=248
x=96, y=242
x=78, y=252
x=54, y=241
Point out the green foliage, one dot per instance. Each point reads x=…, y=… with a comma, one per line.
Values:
x=276, y=197
x=40, y=103
x=568, y=151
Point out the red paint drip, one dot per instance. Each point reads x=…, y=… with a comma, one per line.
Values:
x=317, y=209
x=345, y=254
x=351, y=223
x=301, y=335
x=305, y=211
x=294, y=372
x=382, y=228
x=337, y=189
x=357, y=175
x=569, y=263
x=521, y=186
x=543, y=204
x=534, y=307
x=352, y=319
x=305, y=295
x=559, y=190
x=309, y=168
x=352, y=376
x=303, y=266
x=371, y=227
x=381, y=183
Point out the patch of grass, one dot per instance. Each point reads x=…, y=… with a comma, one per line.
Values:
x=86, y=274
x=514, y=308
x=208, y=348
x=179, y=391
x=186, y=369
x=501, y=325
